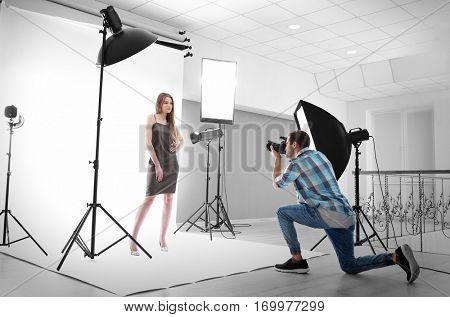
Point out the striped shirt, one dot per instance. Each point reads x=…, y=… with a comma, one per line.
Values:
x=316, y=185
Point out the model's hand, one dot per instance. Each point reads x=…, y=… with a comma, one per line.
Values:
x=275, y=154
x=173, y=147
x=159, y=173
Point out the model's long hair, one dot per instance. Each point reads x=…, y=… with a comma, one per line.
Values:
x=170, y=116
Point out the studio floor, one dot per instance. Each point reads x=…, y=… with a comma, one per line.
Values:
x=324, y=279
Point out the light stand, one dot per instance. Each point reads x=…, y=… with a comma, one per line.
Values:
x=358, y=211
x=121, y=45
x=205, y=206
x=220, y=207
x=204, y=209
x=6, y=211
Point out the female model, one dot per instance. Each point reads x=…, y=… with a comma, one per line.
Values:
x=163, y=140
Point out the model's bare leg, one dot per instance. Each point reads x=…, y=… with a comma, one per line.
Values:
x=140, y=216
x=168, y=198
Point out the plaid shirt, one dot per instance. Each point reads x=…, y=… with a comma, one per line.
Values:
x=314, y=181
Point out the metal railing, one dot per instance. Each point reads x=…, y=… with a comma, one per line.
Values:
x=415, y=202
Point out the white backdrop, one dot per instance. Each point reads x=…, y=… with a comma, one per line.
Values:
x=47, y=70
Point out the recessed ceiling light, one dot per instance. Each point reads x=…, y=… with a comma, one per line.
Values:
x=294, y=26
x=351, y=52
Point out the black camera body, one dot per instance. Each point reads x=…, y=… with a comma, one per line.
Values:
x=10, y=112
x=278, y=147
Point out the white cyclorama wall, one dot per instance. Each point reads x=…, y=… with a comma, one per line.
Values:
x=48, y=71
x=438, y=102
x=263, y=86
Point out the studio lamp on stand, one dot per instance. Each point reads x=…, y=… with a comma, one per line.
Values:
x=11, y=113
x=331, y=138
x=119, y=46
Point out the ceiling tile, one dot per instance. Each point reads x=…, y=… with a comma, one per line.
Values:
x=367, y=36
x=359, y=51
x=443, y=80
x=302, y=7
x=305, y=25
x=412, y=25
x=211, y=13
x=213, y=32
x=263, y=34
x=301, y=62
x=341, y=63
x=125, y=5
x=364, y=7
x=316, y=68
x=326, y=81
x=281, y=56
x=239, y=41
x=181, y=6
x=350, y=26
x=422, y=37
x=242, y=7
x=261, y=49
x=369, y=58
x=334, y=44
x=383, y=44
x=239, y=24
x=306, y=50
x=386, y=87
x=360, y=91
x=441, y=18
x=387, y=17
x=316, y=35
x=396, y=52
x=186, y=23
x=154, y=12
x=428, y=88
x=270, y=15
x=329, y=16
x=398, y=92
x=285, y=43
x=339, y=1
x=323, y=57
x=425, y=7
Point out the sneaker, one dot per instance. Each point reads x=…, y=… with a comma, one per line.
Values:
x=291, y=266
x=406, y=260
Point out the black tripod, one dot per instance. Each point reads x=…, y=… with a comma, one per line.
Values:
x=6, y=211
x=75, y=237
x=206, y=206
x=358, y=212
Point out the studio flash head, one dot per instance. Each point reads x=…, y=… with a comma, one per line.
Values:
x=10, y=112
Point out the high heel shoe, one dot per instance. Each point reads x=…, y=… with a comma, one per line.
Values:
x=163, y=248
x=135, y=252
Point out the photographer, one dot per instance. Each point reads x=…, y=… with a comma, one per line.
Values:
x=321, y=205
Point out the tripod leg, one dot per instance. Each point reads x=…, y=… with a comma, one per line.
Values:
x=226, y=218
x=79, y=224
x=374, y=232
x=317, y=244
x=365, y=233
x=188, y=219
x=72, y=241
x=125, y=231
x=31, y=237
x=196, y=219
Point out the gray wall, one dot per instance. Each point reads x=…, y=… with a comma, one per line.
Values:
x=248, y=168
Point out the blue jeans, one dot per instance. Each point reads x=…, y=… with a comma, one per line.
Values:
x=342, y=239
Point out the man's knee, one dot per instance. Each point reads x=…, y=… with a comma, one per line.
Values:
x=281, y=212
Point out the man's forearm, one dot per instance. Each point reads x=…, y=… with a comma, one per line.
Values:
x=276, y=169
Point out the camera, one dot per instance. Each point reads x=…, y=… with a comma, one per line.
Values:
x=278, y=147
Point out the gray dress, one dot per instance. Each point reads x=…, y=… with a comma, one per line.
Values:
x=161, y=143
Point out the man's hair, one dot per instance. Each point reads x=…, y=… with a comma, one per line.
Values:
x=301, y=137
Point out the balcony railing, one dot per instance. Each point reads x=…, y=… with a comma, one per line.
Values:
x=415, y=202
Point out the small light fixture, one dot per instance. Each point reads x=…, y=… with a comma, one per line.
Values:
x=294, y=26
x=351, y=52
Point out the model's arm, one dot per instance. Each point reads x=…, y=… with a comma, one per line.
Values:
x=151, y=149
x=179, y=143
